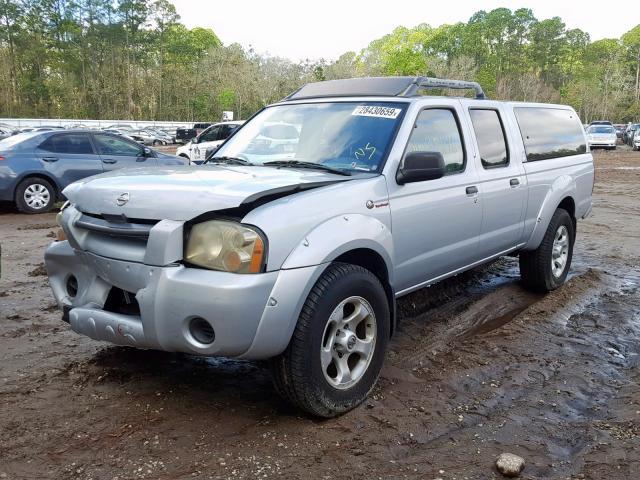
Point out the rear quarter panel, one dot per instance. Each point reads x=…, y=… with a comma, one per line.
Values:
x=550, y=182
x=19, y=165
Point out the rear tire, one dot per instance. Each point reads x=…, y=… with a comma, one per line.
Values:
x=35, y=195
x=546, y=268
x=332, y=363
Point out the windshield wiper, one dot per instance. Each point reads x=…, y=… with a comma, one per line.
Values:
x=302, y=164
x=229, y=161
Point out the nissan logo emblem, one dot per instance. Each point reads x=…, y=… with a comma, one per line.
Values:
x=122, y=199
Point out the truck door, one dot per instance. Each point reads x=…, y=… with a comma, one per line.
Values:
x=502, y=180
x=436, y=222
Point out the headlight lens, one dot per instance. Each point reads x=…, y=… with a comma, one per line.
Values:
x=60, y=235
x=226, y=246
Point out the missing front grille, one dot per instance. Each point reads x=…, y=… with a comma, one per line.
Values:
x=122, y=302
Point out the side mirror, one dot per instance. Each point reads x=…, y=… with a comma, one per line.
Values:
x=147, y=152
x=421, y=166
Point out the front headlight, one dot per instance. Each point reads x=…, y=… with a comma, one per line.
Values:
x=60, y=235
x=226, y=246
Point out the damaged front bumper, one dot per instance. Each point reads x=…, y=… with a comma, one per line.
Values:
x=139, y=305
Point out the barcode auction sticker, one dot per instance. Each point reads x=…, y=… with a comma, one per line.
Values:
x=376, y=111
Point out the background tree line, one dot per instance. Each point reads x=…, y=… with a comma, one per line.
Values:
x=133, y=59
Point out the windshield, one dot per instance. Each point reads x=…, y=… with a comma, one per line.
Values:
x=601, y=129
x=351, y=136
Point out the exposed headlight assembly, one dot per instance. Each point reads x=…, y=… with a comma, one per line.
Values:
x=60, y=235
x=226, y=246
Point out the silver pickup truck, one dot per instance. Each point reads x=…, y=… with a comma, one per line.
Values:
x=296, y=251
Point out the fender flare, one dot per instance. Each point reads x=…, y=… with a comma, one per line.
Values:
x=305, y=264
x=340, y=235
x=563, y=187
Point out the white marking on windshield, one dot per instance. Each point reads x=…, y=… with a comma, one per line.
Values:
x=376, y=111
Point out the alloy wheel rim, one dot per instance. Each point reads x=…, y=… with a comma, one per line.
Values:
x=37, y=196
x=560, y=251
x=348, y=342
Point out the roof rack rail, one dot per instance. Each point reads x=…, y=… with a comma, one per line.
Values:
x=379, y=86
x=430, y=82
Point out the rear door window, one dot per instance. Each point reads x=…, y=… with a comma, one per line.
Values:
x=111, y=145
x=550, y=132
x=69, y=143
x=492, y=144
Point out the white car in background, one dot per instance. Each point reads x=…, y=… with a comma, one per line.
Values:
x=602, y=136
x=195, y=150
x=275, y=139
x=636, y=140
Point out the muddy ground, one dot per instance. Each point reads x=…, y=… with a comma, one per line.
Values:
x=477, y=367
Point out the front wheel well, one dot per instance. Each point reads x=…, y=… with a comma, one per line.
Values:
x=373, y=261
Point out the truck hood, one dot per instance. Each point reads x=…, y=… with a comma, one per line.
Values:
x=184, y=192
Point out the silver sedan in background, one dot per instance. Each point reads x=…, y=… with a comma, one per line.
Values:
x=602, y=136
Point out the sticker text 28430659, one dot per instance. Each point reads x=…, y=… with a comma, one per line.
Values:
x=376, y=111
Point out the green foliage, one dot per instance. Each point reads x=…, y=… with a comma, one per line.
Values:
x=226, y=98
x=516, y=56
x=134, y=59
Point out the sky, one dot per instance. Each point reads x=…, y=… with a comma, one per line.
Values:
x=299, y=29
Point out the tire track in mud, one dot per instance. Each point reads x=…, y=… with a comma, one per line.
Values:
x=486, y=308
x=539, y=374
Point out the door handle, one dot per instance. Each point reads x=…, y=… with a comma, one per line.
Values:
x=50, y=159
x=514, y=182
x=108, y=160
x=473, y=190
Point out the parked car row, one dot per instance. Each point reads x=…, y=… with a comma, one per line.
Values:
x=150, y=135
x=36, y=166
x=604, y=134
x=629, y=133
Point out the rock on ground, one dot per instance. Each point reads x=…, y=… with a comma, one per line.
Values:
x=510, y=465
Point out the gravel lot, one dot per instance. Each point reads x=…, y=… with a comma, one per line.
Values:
x=478, y=367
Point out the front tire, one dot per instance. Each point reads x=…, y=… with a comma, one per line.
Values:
x=547, y=267
x=338, y=346
x=35, y=195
